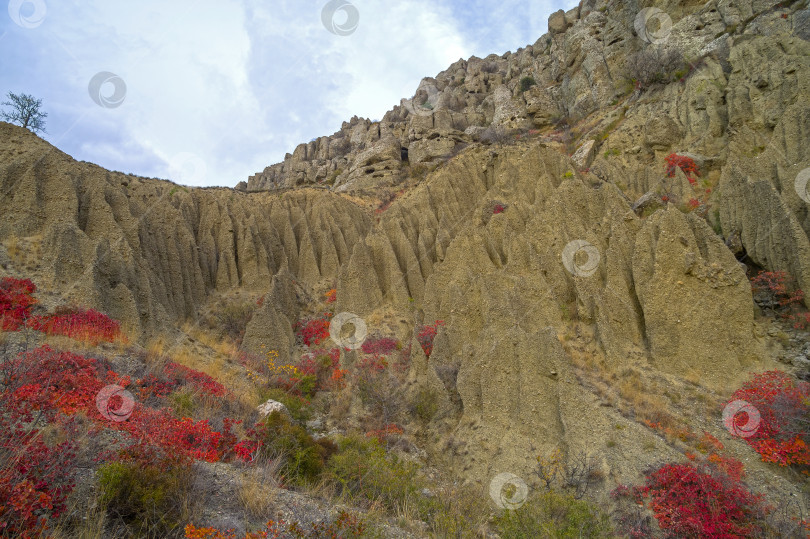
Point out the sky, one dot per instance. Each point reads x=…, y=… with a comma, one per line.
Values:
x=208, y=92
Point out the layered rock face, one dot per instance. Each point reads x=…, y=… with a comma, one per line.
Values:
x=148, y=251
x=658, y=289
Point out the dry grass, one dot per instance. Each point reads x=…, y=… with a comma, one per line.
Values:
x=221, y=346
x=215, y=363
x=93, y=522
x=257, y=488
x=341, y=405
x=12, y=244
x=637, y=391
x=156, y=350
x=25, y=252
x=83, y=347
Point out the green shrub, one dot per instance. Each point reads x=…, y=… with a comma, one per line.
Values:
x=551, y=514
x=362, y=471
x=307, y=384
x=150, y=500
x=296, y=405
x=426, y=405
x=303, y=457
x=459, y=511
x=182, y=402
x=526, y=83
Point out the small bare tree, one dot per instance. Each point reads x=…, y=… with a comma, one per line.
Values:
x=576, y=474
x=25, y=110
x=655, y=65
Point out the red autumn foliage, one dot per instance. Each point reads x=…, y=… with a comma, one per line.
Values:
x=312, y=331
x=321, y=364
x=698, y=500
x=382, y=435
x=199, y=380
x=50, y=382
x=783, y=404
x=246, y=450
x=331, y=295
x=35, y=479
x=800, y=320
x=381, y=346
x=152, y=385
x=16, y=300
x=311, y=364
x=774, y=289
x=499, y=208
x=85, y=325
x=426, y=335
x=372, y=365
x=686, y=164
x=158, y=433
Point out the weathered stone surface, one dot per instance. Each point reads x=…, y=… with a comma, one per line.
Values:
x=270, y=406
x=557, y=24
x=681, y=268
x=663, y=293
x=583, y=157
x=425, y=150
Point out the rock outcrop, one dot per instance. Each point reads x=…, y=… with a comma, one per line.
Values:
x=556, y=136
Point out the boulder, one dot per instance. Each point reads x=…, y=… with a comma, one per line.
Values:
x=429, y=149
x=270, y=406
x=583, y=157
x=661, y=132
x=557, y=23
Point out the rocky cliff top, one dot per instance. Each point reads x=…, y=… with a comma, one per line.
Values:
x=595, y=200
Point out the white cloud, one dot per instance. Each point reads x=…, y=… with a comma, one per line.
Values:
x=239, y=83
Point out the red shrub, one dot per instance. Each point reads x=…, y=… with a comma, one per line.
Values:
x=800, y=320
x=199, y=380
x=152, y=385
x=426, y=335
x=16, y=300
x=380, y=347
x=699, y=501
x=383, y=434
x=373, y=364
x=773, y=289
x=784, y=405
x=35, y=480
x=158, y=432
x=312, y=330
x=331, y=296
x=320, y=364
x=686, y=164
x=499, y=208
x=85, y=325
x=246, y=450
x=51, y=381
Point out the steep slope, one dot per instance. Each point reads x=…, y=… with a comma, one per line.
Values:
x=591, y=234
x=148, y=251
